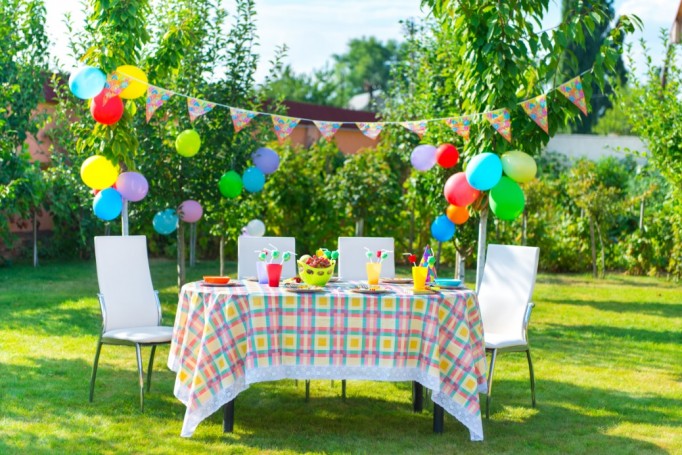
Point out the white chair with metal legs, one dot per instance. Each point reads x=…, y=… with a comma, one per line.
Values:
x=504, y=297
x=131, y=312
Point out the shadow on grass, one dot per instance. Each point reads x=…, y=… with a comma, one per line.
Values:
x=610, y=280
x=648, y=308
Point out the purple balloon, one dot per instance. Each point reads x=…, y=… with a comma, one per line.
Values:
x=266, y=160
x=423, y=157
x=132, y=186
x=190, y=211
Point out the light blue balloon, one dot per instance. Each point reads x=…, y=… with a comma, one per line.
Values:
x=165, y=222
x=253, y=180
x=484, y=171
x=442, y=229
x=87, y=82
x=107, y=204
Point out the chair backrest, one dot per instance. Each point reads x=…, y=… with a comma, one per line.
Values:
x=247, y=258
x=507, y=287
x=352, y=257
x=126, y=283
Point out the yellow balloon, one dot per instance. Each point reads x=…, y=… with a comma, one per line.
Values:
x=519, y=166
x=98, y=172
x=138, y=85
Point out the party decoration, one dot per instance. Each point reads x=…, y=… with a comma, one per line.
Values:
x=165, y=222
x=428, y=260
x=98, y=172
x=253, y=179
x=188, y=143
x=87, y=82
x=230, y=185
x=371, y=129
x=108, y=204
x=442, y=229
x=519, y=166
x=447, y=155
x=155, y=98
x=501, y=121
x=418, y=127
x=190, y=211
x=506, y=199
x=536, y=108
x=327, y=129
x=132, y=186
x=106, y=112
x=265, y=159
x=241, y=118
x=573, y=90
x=423, y=157
x=197, y=108
x=458, y=215
x=255, y=228
x=283, y=126
x=137, y=85
x=460, y=125
x=379, y=255
x=484, y=171
x=115, y=84
x=457, y=190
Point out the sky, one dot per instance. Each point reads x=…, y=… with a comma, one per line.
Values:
x=315, y=30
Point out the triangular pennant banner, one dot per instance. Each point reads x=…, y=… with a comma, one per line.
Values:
x=573, y=90
x=501, y=121
x=156, y=96
x=460, y=125
x=536, y=108
x=197, y=107
x=371, y=129
x=115, y=84
x=418, y=127
x=284, y=126
x=241, y=118
x=327, y=129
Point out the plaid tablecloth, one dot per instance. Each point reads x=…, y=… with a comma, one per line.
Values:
x=225, y=339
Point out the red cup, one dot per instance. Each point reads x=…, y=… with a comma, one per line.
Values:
x=274, y=272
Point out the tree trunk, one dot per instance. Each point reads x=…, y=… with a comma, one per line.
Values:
x=482, y=235
x=35, y=239
x=593, y=248
x=360, y=227
x=524, y=231
x=460, y=266
x=438, y=252
x=193, y=244
x=603, y=255
x=124, y=218
x=181, y=254
x=641, y=215
x=222, y=255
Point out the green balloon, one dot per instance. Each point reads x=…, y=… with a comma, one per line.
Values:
x=187, y=143
x=506, y=199
x=230, y=184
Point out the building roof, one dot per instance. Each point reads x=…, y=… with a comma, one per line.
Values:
x=327, y=113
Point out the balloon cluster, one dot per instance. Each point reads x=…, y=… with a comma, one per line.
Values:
x=254, y=228
x=265, y=161
x=424, y=157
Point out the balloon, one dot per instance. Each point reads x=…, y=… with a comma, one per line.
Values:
x=458, y=192
x=230, y=184
x=506, y=199
x=255, y=228
x=253, y=180
x=98, y=172
x=165, y=222
x=87, y=82
x=187, y=143
x=132, y=186
x=107, y=204
x=442, y=229
x=137, y=85
x=423, y=157
x=190, y=211
x=106, y=113
x=484, y=171
x=266, y=160
x=447, y=155
x=519, y=166
x=458, y=215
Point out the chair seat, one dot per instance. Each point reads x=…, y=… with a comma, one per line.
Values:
x=501, y=341
x=153, y=334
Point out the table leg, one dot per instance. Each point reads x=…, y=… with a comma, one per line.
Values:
x=438, y=418
x=228, y=417
x=417, y=397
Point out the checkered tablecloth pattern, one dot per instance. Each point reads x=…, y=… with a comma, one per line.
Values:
x=227, y=338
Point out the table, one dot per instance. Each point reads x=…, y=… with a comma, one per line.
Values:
x=226, y=338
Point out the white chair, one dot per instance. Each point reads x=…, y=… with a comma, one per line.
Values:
x=504, y=297
x=352, y=258
x=247, y=258
x=131, y=312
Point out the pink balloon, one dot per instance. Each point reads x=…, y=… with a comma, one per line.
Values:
x=458, y=192
x=132, y=186
x=190, y=211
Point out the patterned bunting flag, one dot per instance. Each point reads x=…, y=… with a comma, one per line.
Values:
x=536, y=108
x=284, y=126
x=197, y=107
x=418, y=127
x=500, y=120
x=327, y=129
x=156, y=96
x=241, y=118
x=460, y=125
x=573, y=90
x=115, y=84
x=371, y=129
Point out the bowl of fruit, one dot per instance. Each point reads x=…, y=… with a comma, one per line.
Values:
x=316, y=270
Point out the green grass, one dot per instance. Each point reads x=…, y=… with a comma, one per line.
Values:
x=608, y=361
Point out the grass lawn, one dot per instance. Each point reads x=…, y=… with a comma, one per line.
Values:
x=607, y=354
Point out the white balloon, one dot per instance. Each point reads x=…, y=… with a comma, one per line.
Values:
x=255, y=228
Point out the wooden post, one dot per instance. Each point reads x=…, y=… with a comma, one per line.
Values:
x=192, y=244
x=35, y=239
x=181, y=254
x=222, y=256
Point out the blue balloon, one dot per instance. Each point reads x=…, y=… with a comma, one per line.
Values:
x=87, y=82
x=442, y=229
x=265, y=159
x=253, y=179
x=165, y=222
x=484, y=171
x=107, y=204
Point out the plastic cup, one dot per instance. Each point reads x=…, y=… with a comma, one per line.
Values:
x=262, y=272
x=373, y=272
x=274, y=272
x=419, y=277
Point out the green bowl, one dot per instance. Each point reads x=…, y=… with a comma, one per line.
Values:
x=315, y=276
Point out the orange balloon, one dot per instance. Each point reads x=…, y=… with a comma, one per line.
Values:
x=458, y=215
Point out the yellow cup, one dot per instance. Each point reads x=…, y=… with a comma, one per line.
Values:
x=373, y=272
x=419, y=277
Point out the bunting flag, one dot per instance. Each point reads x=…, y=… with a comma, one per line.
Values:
x=241, y=118
x=418, y=127
x=284, y=126
x=155, y=98
x=573, y=90
x=327, y=129
x=371, y=129
x=115, y=84
x=197, y=108
x=460, y=125
x=500, y=120
x=536, y=108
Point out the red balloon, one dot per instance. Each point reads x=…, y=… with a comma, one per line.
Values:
x=458, y=192
x=106, y=113
x=447, y=155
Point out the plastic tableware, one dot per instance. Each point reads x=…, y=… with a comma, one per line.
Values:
x=373, y=272
x=216, y=279
x=448, y=282
x=274, y=273
x=262, y=272
x=419, y=275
